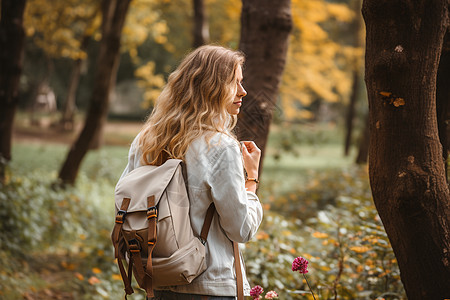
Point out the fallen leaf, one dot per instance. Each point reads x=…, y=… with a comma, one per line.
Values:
x=93, y=280
x=79, y=276
x=360, y=249
x=116, y=277
x=320, y=235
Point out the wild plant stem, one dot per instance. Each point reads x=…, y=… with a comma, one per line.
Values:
x=309, y=286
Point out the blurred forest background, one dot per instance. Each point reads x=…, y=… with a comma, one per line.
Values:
x=314, y=185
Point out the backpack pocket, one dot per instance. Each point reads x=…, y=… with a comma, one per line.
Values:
x=183, y=266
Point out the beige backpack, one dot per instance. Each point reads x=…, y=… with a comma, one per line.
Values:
x=153, y=233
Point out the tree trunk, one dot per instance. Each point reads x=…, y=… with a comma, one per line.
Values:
x=403, y=46
x=201, y=27
x=67, y=120
x=443, y=99
x=351, y=112
x=114, y=13
x=265, y=29
x=356, y=77
x=12, y=39
x=364, y=142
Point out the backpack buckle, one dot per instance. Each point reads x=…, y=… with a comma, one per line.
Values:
x=152, y=212
x=121, y=216
x=134, y=245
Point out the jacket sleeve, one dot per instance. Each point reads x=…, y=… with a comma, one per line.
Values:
x=133, y=159
x=240, y=212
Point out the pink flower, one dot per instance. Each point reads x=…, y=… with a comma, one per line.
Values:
x=256, y=291
x=271, y=295
x=300, y=264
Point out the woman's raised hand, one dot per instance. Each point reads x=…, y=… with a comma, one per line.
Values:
x=252, y=155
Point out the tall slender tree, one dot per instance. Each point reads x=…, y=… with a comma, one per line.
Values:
x=113, y=18
x=356, y=86
x=403, y=48
x=201, y=27
x=265, y=29
x=12, y=37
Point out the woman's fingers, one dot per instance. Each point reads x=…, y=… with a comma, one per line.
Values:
x=251, y=146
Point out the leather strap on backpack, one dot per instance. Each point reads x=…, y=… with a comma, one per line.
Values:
x=237, y=266
x=152, y=215
x=207, y=224
x=120, y=217
x=237, y=260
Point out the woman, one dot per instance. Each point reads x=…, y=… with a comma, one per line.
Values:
x=192, y=120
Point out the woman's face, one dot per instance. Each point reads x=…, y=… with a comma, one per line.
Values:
x=234, y=106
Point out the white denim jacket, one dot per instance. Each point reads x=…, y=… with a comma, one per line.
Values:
x=215, y=174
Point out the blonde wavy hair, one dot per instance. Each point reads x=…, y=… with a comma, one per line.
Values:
x=193, y=103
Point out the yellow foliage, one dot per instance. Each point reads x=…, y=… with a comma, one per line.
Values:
x=58, y=27
x=143, y=21
x=151, y=83
x=317, y=68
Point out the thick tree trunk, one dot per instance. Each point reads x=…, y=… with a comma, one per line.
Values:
x=114, y=13
x=12, y=38
x=265, y=29
x=364, y=142
x=201, y=27
x=403, y=46
x=443, y=99
x=67, y=120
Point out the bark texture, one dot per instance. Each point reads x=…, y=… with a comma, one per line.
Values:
x=443, y=99
x=403, y=47
x=265, y=29
x=12, y=38
x=114, y=13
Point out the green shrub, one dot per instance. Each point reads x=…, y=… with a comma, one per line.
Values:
x=334, y=224
x=69, y=229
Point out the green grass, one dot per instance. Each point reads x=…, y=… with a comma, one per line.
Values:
x=290, y=171
x=108, y=161
x=294, y=155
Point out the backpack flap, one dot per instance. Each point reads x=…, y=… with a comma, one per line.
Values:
x=135, y=186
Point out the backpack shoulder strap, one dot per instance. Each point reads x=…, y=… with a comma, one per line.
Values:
x=120, y=217
x=237, y=260
x=237, y=266
x=207, y=224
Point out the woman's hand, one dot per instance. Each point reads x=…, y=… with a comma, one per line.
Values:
x=252, y=155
